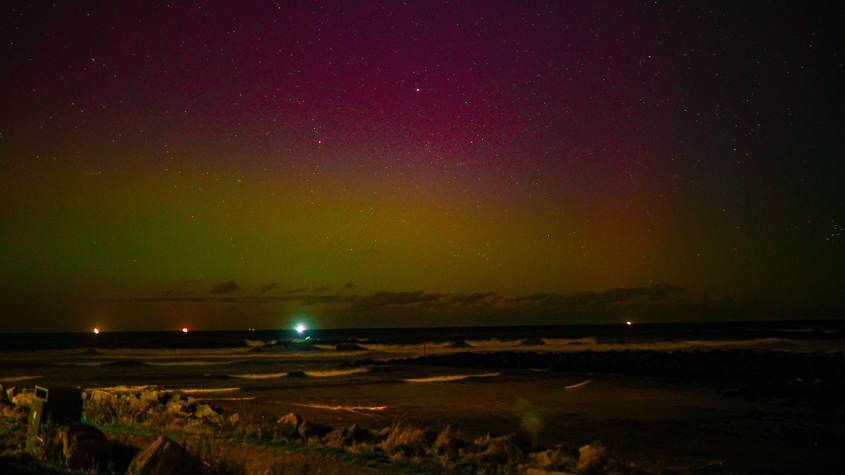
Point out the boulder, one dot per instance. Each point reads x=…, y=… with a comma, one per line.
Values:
x=500, y=450
x=204, y=410
x=311, y=430
x=85, y=447
x=408, y=442
x=178, y=407
x=551, y=458
x=592, y=458
x=151, y=396
x=164, y=457
x=293, y=420
x=5, y=399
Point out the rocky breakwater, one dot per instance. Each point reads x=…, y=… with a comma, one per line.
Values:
x=150, y=431
x=147, y=405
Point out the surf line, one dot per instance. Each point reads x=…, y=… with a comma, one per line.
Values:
x=352, y=409
x=454, y=377
x=208, y=390
x=578, y=385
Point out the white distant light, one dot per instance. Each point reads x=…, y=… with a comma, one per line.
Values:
x=185, y=330
x=96, y=330
x=300, y=328
x=628, y=322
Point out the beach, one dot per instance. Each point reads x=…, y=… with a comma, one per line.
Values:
x=746, y=407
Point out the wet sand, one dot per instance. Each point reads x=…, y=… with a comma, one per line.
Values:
x=655, y=421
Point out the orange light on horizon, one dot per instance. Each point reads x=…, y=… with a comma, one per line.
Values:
x=185, y=330
x=96, y=331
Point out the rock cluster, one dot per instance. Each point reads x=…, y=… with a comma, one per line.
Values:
x=85, y=447
x=145, y=404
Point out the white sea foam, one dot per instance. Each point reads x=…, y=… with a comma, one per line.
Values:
x=258, y=376
x=259, y=343
x=336, y=372
x=343, y=408
x=229, y=398
x=317, y=374
x=12, y=379
x=209, y=390
x=578, y=385
x=451, y=377
x=187, y=363
x=122, y=388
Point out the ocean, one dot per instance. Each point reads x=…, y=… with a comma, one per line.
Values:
x=744, y=397
x=246, y=363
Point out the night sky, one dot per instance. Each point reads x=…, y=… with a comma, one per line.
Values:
x=385, y=163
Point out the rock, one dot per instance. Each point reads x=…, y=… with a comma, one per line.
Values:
x=551, y=458
x=150, y=396
x=204, y=410
x=178, y=407
x=408, y=442
x=500, y=450
x=172, y=396
x=23, y=398
x=293, y=420
x=85, y=447
x=164, y=457
x=5, y=399
x=591, y=458
x=311, y=430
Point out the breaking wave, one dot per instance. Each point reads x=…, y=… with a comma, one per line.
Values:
x=450, y=377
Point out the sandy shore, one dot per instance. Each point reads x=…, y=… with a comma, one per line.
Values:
x=651, y=420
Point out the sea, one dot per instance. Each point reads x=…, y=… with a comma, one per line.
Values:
x=249, y=363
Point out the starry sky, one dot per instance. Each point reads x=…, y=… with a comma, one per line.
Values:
x=232, y=165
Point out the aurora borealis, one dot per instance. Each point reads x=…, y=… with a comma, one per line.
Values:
x=379, y=163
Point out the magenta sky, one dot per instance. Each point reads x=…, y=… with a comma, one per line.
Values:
x=414, y=163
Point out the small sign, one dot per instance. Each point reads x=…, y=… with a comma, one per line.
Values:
x=41, y=393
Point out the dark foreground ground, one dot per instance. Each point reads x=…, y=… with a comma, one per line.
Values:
x=741, y=412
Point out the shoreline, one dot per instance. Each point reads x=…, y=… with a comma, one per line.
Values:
x=754, y=418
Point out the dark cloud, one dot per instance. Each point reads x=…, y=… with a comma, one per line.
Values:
x=474, y=298
x=381, y=299
x=269, y=287
x=540, y=296
x=662, y=302
x=655, y=293
x=225, y=288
